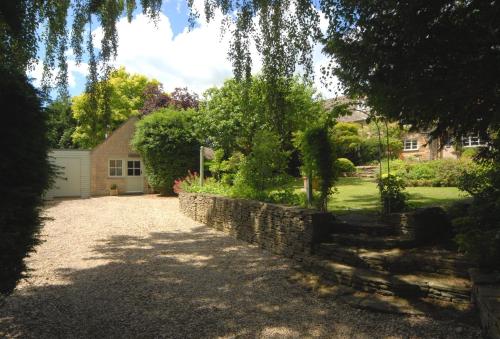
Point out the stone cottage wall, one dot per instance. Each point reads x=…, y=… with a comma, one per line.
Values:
x=116, y=146
x=289, y=231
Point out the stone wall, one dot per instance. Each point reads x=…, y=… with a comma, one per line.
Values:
x=486, y=295
x=115, y=147
x=289, y=231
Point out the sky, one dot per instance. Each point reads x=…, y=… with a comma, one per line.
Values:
x=173, y=54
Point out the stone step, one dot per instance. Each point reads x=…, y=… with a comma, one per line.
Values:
x=398, y=260
x=371, y=228
x=438, y=309
x=369, y=241
x=414, y=286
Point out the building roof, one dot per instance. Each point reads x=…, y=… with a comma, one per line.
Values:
x=355, y=116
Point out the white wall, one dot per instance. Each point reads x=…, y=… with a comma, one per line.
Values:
x=74, y=179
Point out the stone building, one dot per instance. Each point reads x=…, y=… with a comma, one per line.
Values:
x=417, y=145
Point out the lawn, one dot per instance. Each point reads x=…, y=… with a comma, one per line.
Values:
x=356, y=194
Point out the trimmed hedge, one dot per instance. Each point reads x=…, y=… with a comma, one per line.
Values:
x=345, y=165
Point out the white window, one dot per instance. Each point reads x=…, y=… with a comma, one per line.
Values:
x=471, y=141
x=410, y=145
x=133, y=168
x=115, y=168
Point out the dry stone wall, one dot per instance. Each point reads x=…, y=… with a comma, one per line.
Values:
x=289, y=231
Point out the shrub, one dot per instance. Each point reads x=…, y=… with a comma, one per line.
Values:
x=26, y=174
x=191, y=183
x=432, y=226
x=224, y=170
x=318, y=159
x=392, y=193
x=479, y=229
x=285, y=196
x=442, y=172
x=468, y=153
x=168, y=146
x=475, y=179
x=263, y=169
x=345, y=165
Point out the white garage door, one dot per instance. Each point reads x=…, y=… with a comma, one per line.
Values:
x=73, y=179
x=68, y=183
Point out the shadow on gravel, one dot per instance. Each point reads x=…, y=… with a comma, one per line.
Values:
x=197, y=284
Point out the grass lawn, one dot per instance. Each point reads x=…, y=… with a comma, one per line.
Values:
x=356, y=194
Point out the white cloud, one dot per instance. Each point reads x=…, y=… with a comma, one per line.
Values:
x=196, y=59
x=74, y=69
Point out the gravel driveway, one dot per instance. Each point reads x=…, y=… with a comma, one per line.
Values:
x=133, y=266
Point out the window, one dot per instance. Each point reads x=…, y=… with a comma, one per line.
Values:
x=471, y=141
x=134, y=168
x=115, y=168
x=410, y=145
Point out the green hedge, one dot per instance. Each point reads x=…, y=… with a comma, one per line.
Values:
x=345, y=165
x=168, y=146
x=26, y=174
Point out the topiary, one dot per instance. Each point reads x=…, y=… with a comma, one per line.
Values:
x=166, y=142
x=345, y=165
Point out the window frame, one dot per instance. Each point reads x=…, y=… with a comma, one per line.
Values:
x=134, y=168
x=115, y=167
x=411, y=141
x=469, y=143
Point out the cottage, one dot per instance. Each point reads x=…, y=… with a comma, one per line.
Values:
x=87, y=173
x=416, y=145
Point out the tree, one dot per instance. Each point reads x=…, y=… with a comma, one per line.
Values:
x=154, y=98
x=60, y=124
x=183, y=99
x=263, y=169
x=166, y=142
x=230, y=116
x=26, y=174
x=430, y=64
x=124, y=99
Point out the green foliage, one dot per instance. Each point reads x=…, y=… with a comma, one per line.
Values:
x=225, y=170
x=347, y=140
x=263, y=169
x=475, y=179
x=318, y=158
x=26, y=174
x=392, y=194
x=360, y=144
x=168, y=146
x=481, y=244
x=440, y=172
x=191, y=183
x=60, y=124
x=119, y=98
x=282, y=195
x=344, y=165
x=469, y=153
x=232, y=114
x=479, y=230
x=395, y=55
x=432, y=226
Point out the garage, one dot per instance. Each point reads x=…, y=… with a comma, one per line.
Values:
x=73, y=179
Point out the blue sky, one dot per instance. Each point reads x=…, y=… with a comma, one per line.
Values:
x=196, y=59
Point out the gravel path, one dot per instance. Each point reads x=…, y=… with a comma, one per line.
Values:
x=135, y=267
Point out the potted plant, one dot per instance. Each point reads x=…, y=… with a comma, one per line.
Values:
x=113, y=189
